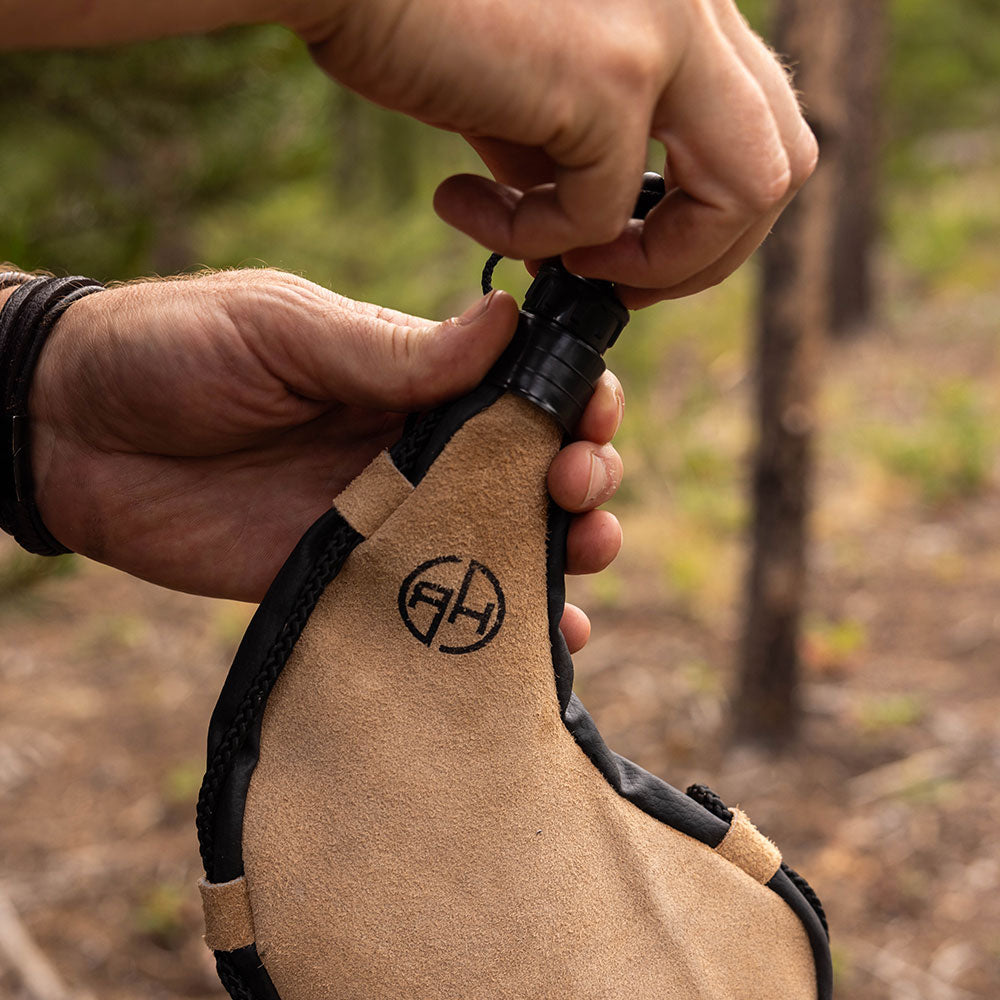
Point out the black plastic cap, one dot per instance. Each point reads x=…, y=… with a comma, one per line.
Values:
x=554, y=361
x=653, y=189
x=588, y=309
x=567, y=323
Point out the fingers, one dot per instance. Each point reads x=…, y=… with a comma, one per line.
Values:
x=769, y=72
x=595, y=172
x=638, y=298
x=326, y=347
x=584, y=475
x=593, y=542
x=575, y=626
x=603, y=415
x=737, y=150
x=513, y=163
x=726, y=156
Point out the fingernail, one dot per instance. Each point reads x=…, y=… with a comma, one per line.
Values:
x=620, y=403
x=476, y=310
x=599, y=478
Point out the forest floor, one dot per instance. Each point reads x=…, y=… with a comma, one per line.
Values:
x=889, y=803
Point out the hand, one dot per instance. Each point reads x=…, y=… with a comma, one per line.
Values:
x=560, y=100
x=189, y=431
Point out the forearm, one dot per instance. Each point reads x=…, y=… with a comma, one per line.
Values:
x=47, y=24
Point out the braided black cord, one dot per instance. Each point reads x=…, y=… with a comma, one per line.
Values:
x=26, y=320
x=340, y=545
x=11, y=279
x=704, y=795
x=810, y=893
x=231, y=980
x=488, y=268
x=417, y=432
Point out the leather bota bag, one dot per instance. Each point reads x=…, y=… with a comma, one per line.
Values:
x=405, y=799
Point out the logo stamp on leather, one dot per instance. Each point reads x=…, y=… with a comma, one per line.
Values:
x=451, y=604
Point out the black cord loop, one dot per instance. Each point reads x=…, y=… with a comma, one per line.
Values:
x=488, y=268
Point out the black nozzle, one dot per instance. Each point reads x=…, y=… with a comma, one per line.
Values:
x=654, y=187
x=567, y=323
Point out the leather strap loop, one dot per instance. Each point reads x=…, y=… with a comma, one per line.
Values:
x=745, y=846
x=228, y=919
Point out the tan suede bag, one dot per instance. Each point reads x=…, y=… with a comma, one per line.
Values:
x=404, y=798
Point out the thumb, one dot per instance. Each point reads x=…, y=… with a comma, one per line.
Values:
x=364, y=355
x=409, y=364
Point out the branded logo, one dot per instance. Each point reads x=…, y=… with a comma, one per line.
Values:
x=453, y=605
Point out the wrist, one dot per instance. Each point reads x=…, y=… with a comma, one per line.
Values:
x=26, y=320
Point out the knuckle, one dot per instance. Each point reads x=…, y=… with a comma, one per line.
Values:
x=604, y=229
x=265, y=274
x=632, y=63
x=768, y=187
x=403, y=351
x=803, y=157
x=392, y=355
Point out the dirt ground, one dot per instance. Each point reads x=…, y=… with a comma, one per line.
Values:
x=889, y=805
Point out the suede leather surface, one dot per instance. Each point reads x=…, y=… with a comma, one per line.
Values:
x=367, y=501
x=423, y=825
x=744, y=845
x=228, y=921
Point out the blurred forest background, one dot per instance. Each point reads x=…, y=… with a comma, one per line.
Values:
x=233, y=150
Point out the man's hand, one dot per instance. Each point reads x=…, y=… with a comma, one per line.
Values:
x=560, y=100
x=189, y=431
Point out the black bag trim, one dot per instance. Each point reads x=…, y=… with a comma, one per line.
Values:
x=243, y=974
x=425, y=438
x=234, y=729
x=649, y=793
x=818, y=939
x=701, y=815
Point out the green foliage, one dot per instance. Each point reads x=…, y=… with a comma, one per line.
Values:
x=703, y=678
x=945, y=66
x=607, y=589
x=944, y=222
x=21, y=572
x=230, y=621
x=161, y=914
x=182, y=782
x=833, y=645
x=112, y=634
x=233, y=149
x=948, y=455
x=842, y=964
x=891, y=712
x=218, y=151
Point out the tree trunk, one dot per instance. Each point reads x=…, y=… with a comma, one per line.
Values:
x=792, y=320
x=856, y=222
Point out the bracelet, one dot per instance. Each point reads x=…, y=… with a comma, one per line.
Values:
x=26, y=320
x=10, y=278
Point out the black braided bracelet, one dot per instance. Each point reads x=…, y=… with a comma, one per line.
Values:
x=26, y=320
x=10, y=278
